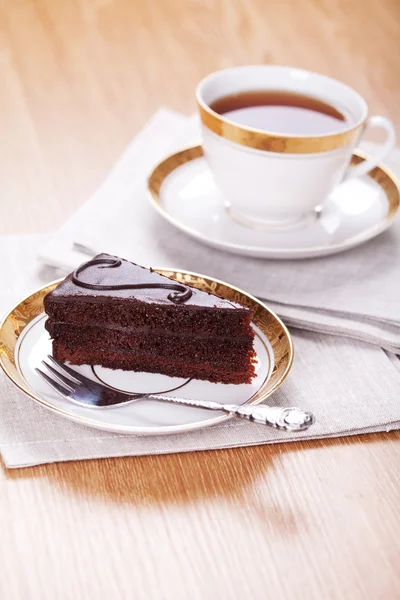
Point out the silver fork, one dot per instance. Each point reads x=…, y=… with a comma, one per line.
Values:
x=88, y=393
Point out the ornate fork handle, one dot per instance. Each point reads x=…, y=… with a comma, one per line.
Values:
x=287, y=419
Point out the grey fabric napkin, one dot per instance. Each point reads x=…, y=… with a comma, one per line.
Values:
x=355, y=293
x=351, y=387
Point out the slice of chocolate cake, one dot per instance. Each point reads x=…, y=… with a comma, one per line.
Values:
x=114, y=313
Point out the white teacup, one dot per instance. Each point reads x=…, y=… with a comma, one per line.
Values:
x=275, y=178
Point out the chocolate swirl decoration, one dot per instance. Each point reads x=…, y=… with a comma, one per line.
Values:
x=181, y=293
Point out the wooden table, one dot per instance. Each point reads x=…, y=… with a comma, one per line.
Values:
x=316, y=520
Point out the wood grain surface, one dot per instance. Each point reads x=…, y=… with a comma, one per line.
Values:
x=316, y=520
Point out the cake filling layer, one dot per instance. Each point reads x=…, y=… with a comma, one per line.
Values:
x=131, y=337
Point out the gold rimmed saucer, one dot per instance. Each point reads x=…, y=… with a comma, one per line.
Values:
x=183, y=191
x=24, y=343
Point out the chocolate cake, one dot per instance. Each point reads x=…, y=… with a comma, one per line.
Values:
x=120, y=315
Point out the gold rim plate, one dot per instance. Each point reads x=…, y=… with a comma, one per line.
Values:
x=22, y=315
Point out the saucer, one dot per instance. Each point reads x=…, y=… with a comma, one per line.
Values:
x=24, y=343
x=183, y=191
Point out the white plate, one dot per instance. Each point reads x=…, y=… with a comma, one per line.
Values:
x=24, y=343
x=183, y=191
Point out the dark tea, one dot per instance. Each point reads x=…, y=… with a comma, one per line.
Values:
x=280, y=111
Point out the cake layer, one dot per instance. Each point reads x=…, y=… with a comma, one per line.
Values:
x=178, y=319
x=233, y=351
x=171, y=366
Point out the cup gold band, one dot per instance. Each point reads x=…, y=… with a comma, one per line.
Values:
x=262, y=140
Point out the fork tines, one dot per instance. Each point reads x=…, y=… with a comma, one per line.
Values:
x=63, y=379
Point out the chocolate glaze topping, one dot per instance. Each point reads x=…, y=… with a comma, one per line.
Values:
x=180, y=295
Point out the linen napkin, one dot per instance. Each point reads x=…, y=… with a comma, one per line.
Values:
x=355, y=293
x=350, y=387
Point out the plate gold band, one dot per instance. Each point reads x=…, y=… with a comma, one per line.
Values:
x=23, y=314
x=262, y=140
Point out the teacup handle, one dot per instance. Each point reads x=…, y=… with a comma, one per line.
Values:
x=382, y=150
